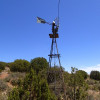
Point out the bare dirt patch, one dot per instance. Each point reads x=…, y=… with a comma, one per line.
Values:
x=4, y=73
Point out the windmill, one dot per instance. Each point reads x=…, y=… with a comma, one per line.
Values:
x=55, y=71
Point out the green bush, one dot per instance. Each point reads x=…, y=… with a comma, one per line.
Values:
x=77, y=86
x=14, y=95
x=39, y=64
x=20, y=65
x=83, y=73
x=9, y=64
x=2, y=65
x=32, y=88
x=0, y=70
x=95, y=75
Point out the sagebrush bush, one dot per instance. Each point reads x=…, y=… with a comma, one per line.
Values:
x=3, y=85
x=7, y=79
x=14, y=81
x=97, y=86
x=14, y=78
x=17, y=75
x=90, y=82
x=3, y=96
x=90, y=97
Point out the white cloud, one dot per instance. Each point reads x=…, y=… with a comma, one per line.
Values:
x=91, y=68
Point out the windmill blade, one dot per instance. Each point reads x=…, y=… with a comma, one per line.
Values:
x=40, y=20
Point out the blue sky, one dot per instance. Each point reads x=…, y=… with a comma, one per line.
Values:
x=22, y=38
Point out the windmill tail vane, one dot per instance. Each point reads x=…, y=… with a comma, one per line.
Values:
x=40, y=20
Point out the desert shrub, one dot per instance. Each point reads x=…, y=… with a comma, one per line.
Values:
x=55, y=74
x=3, y=96
x=43, y=74
x=97, y=97
x=2, y=65
x=90, y=97
x=14, y=95
x=90, y=82
x=95, y=75
x=20, y=65
x=0, y=70
x=97, y=86
x=9, y=64
x=94, y=87
x=32, y=88
x=7, y=79
x=14, y=82
x=15, y=77
x=83, y=73
x=77, y=86
x=3, y=85
x=39, y=64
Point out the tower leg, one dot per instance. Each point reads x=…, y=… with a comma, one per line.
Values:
x=55, y=72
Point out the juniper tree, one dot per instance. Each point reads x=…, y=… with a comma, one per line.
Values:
x=32, y=88
x=76, y=86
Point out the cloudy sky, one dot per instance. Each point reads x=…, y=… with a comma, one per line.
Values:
x=22, y=38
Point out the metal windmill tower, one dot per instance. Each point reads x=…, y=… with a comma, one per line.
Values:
x=55, y=72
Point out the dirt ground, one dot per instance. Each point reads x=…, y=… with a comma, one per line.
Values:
x=4, y=73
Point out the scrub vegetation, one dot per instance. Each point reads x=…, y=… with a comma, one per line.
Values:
x=24, y=80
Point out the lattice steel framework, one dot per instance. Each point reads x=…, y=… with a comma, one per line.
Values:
x=55, y=71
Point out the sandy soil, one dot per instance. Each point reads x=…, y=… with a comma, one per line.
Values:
x=3, y=75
